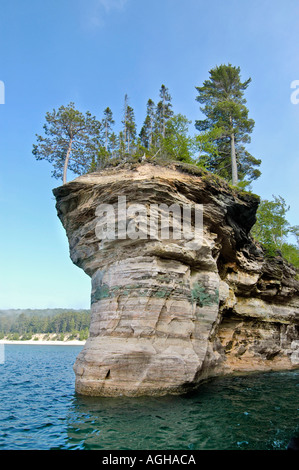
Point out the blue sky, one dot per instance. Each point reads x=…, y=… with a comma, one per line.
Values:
x=92, y=52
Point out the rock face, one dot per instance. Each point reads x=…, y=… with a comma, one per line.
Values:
x=168, y=313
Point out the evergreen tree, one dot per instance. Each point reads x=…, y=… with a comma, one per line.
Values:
x=102, y=158
x=125, y=119
x=144, y=134
x=147, y=130
x=130, y=129
x=158, y=125
x=121, y=144
x=129, y=132
x=177, y=144
x=164, y=108
x=93, y=164
x=162, y=115
x=205, y=144
x=107, y=124
x=224, y=107
x=71, y=140
x=113, y=144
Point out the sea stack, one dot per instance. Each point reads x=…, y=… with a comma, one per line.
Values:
x=168, y=313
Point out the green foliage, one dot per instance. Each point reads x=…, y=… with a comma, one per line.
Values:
x=155, y=127
x=272, y=228
x=163, y=111
x=224, y=102
x=291, y=253
x=126, y=146
x=83, y=334
x=107, y=124
x=206, y=146
x=177, y=144
x=27, y=336
x=14, y=337
x=147, y=131
x=61, y=324
x=227, y=125
x=295, y=232
x=243, y=185
x=102, y=158
x=74, y=334
x=83, y=144
x=71, y=140
x=129, y=132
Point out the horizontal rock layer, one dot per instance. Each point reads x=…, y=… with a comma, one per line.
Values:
x=168, y=313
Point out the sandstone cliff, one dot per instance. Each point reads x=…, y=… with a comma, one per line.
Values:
x=167, y=314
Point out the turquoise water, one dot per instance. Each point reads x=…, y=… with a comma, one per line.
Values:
x=40, y=410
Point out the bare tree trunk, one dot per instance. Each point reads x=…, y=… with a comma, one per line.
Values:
x=233, y=156
x=106, y=137
x=151, y=133
x=125, y=120
x=233, y=160
x=66, y=162
x=163, y=113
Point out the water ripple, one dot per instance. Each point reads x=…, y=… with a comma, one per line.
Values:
x=39, y=410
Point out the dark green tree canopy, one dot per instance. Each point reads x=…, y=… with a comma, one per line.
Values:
x=225, y=109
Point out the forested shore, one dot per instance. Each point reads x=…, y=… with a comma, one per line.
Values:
x=31, y=324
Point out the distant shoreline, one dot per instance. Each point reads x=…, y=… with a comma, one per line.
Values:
x=44, y=342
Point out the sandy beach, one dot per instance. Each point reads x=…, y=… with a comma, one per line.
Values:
x=45, y=339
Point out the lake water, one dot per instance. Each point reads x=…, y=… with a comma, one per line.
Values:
x=40, y=410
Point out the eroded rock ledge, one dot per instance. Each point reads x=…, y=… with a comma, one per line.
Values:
x=166, y=315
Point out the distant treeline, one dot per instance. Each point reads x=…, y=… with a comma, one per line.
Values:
x=40, y=312
x=73, y=322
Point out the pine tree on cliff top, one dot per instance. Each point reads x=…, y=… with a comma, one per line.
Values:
x=129, y=126
x=224, y=107
x=107, y=124
x=147, y=130
x=71, y=141
x=163, y=111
